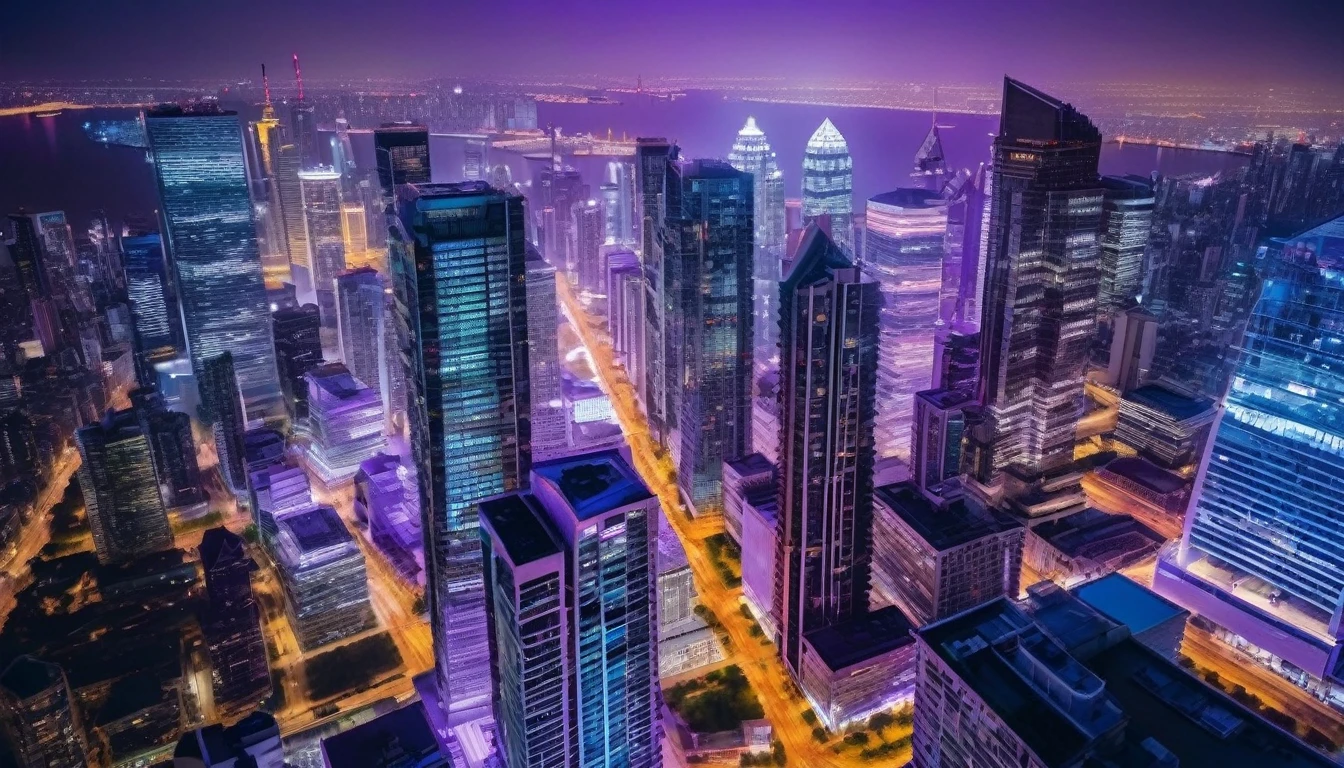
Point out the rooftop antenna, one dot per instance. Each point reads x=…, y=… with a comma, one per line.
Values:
x=298, y=76
x=935, y=106
x=266, y=85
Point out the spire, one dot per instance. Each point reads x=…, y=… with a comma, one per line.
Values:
x=750, y=128
x=266, y=85
x=298, y=76
x=827, y=135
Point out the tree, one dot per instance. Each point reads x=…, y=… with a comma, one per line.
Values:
x=809, y=717
x=778, y=750
x=819, y=734
x=881, y=721
x=857, y=738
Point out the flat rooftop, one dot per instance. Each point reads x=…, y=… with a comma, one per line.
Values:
x=947, y=398
x=517, y=520
x=316, y=528
x=594, y=483
x=862, y=638
x=336, y=380
x=671, y=555
x=1174, y=404
x=1147, y=474
x=1127, y=602
x=751, y=464
x=941, y=527
x=406, y=730
x=909, y=197
x=1097, y=535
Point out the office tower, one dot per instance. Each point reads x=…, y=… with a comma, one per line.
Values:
x=303, y=123
x=298, y=349
x=126, y=514
x=550, y=426
x=625, y=311
x=752, y=153
x=587, y=251
x=1133, y=346
x=618, y=202
x=654, y=160
x=570, y=583
x=956, y=359
x=402, y=155
x=903, y=251
x=459, y=269
x=828, y=319
x=322, y=210
x=828, y=183
x=1042, y=280
x=743, y=478
x=765, y=410
x=473, y=158
x=940, y=424
x=254, y=740
x=974, y=214
x=1266, y=508
x=39, y=716
x=935, y=558
x=1126, y=217
x=232, y=623
x=342, y=151
x=1167, y=427
x=198, y=159
x=355, y=232
x=278, y=488
x=44, y=252
x=223, y=409
x=930, y=172
x=685, y=641
x=361, y=312
x=346, y=420
x=268, y=129
x=154, y=307
x=557, y=192
x=402, y=738
x=386, y=497
x=710, y=305
x=294, y=224
x=322, y=572
x=173, y=449
x=1067, y=685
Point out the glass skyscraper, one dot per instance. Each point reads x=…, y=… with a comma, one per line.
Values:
x=1041, y=282
x=153, y=300
x=904, y=242
x=458, y=262
x=654, y=161
x=752, y=153
x=362, y=313
x=550, y=424
x=293, y=224
x=828, y=183
x=126, y=513
x=828, y=390
x=401, y=153
x=322, y=213
x=198, y=160
x=1127, y=214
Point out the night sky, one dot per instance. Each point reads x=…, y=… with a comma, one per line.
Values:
x=1244, y=42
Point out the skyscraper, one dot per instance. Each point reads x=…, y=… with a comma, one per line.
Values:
x=232, y=623
x=1041, y=281
x=618, y=205
x=458, y=265
x=346, y=420
x=362, y=313
x=752, y=153
x=1127, y=214
x=303, y=123
x=550, y=424
x=198, y=160
x=293, y=224
x=121, y=491
x=154, y=306
x=654, y=160
x=930, y=171
x=223, y=409
x=903, y=249
x=587, y=252
x=570, y=579
x=39, y=716
x=322, y=211
x=710, y=322
x=828, y=367
x=401, y=152
x=298, y=349
x=323, y=574
x=828, y=183
x=173, y=449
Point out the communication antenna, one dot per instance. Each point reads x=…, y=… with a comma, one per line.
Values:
x=298, y=76
x=266, y=84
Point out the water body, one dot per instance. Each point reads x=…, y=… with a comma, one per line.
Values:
x=49, y=164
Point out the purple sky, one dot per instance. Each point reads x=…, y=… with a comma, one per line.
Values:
x=1245, y=42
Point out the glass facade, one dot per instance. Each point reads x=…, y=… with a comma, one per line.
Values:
x=126, y=513
x=293, y=224
x=198, y=159
x=654, y=161
x=402, y=155
x=346, y=420
x=828, y=183
x=458, y=263
x=904, y=243
x=828, y=382
x=752, y=154
x=153, y=301
x=362, y=314
x=550, y=425
x=1127, y=215
x=322, y=213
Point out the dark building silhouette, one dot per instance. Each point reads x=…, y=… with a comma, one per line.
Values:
x=298, y=349
x=223, y=409
x=38, y=716
x=232, y=622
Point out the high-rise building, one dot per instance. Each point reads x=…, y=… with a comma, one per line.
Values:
x=298, y=349
x=710, y=322
x=401, y=152
x=346, y=420
x=550, y=425
x=323, y=574
x=198, y=160
x=654, y=161
x=355, y=232
x=828, y=389
x=930, y=172
x=224, y=411
x=173, y=449
x=574, y=648
x=361, y=301
x=618, y=203
x=587, y=252
x=121, y=491
x=154, y=305
x=1266, y=509
x=1133, y=347
x=828, y=183
x=939, y=426
x=322, y=209
x=39, y=716
x=1041, y=281
x=1126, y=217
x=752, y=154
x=459, y=271
x=903, y=250
x=625, y=311
x=232, y=623
x=293, y=224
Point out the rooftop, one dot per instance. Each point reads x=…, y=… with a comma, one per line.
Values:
x=1174, y=404
x=908, y=197
x=516, y=519
x=861, y=638
x=594, y=483
x=26, y=676
x=406, y=729
x=752, y=464
x=316, y=529
x=947, y=398
x=941, y=527
x=1098, y=535
x=336, y=380
x=1147, y=474
x=1124, y=601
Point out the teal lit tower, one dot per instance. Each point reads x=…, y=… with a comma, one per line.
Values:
x=458, y=264
x=202, y=177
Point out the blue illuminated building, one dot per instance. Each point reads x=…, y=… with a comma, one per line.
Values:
x=153, y=300
x=570, y=573
x=202, y=177
x=458, y=265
